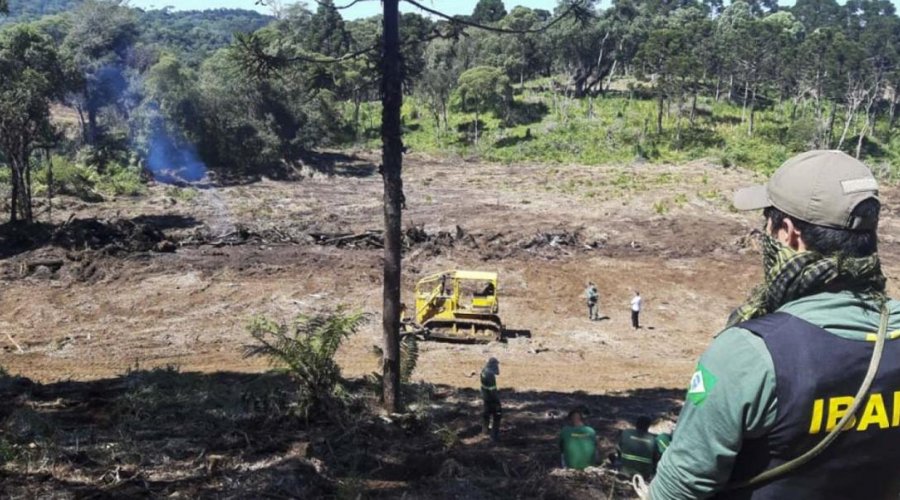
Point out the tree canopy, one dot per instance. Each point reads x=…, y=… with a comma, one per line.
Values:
x=250, y=93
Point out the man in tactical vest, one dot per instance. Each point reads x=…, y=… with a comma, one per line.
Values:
x=491, y=399
x=592, y=296
x=786, y=370
x=636, y=450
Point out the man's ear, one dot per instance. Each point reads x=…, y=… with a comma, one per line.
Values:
x=792, y=235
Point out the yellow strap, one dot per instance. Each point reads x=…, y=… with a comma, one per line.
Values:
x=872, y=337
x=636, y=458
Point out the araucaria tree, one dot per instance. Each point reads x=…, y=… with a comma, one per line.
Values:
x=484, y=89
x=31, y=77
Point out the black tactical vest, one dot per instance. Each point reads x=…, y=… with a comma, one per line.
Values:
x=817, y=374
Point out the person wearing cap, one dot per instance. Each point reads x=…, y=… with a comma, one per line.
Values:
x=491, y=399
x=786, y=368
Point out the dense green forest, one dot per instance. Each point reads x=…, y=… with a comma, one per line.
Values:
x=193, y=34
x=178, y=94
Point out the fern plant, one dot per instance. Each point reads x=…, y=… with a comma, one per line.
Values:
x=305, y=349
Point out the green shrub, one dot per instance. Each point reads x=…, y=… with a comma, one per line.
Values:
x=121, y=180
x=80, y=180
x=305, y=349
x=69, y=178
x=661, y=207
x=181, y=194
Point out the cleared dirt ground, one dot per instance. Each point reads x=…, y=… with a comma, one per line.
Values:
x=245, y=249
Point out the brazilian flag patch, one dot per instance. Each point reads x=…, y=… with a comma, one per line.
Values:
x=702, y=382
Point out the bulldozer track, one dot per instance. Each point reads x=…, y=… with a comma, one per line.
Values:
x=443, y=330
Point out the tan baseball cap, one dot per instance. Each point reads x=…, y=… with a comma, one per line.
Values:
x=820, y=187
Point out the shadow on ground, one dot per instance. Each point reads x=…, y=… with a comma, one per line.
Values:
x=230, y=435
x=338, y=164
x=296, y=168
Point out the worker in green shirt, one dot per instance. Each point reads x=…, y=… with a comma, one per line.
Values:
x=577, y=443
x=785, y=372
x=636, y=450
x=491, y=399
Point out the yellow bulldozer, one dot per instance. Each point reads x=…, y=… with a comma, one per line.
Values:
x=458, y=305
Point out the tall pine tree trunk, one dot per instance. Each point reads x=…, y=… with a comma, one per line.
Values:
x=752, y=112
x=744, y=105
x=609, y=78
x=862, y=137
x=731, y=87
x=829, y=129
x=659, y=112
x=29, y=214
x=693, y=107
x=718, y=85
x=392, y=158
x=851, y=115
x=891, y=119
x=679, y=107
x=91, y=138
x=14, y=195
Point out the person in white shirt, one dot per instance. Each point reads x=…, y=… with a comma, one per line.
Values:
x=635, y=310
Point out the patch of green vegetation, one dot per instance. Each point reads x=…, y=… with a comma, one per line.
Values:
x=8, y=451
x=661, y=207
x=710, y=194
x=181, y=194
x=449, y=438
x=85, y=182
x=121, y=180
x=305, y=349
x=619, y=130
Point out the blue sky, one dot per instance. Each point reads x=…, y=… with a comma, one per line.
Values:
x=364, y=8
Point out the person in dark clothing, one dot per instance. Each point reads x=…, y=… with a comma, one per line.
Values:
x=592, y=296
x=636, y=451
x=491, y=399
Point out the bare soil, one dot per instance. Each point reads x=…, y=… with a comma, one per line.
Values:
x=94, y=301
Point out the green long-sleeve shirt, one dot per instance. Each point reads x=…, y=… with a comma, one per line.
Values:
x=732, y=396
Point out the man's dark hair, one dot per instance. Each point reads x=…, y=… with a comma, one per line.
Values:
x=642, y=424
x=830, y=241
x=576, y=411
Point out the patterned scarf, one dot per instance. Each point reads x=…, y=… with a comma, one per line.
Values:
x=790, y=275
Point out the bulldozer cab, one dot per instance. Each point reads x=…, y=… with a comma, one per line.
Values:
x=459, y=305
